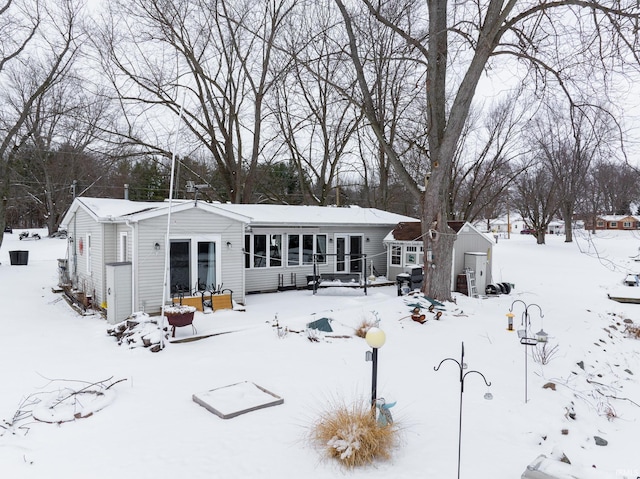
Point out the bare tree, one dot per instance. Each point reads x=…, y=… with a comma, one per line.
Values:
x=312, y=106
x=63, y=123
x=462, y=40
x=612, y=187
x=570, y=144
x=487, y=161
x=209, y=62
x=53, y=32
x=537, y=199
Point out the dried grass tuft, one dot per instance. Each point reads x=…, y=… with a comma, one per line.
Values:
x=632, y=331
x=352, y=435
x=364, y=326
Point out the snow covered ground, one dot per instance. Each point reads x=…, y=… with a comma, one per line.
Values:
x=147, y=424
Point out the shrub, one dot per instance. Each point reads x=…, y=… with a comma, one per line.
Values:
x=352, y=435
x=544, y=353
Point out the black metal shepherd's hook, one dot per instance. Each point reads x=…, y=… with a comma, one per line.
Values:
x=461, y=366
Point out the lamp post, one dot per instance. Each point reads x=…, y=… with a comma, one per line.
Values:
x=526, y=339
x=375, y=338
x=462, y=366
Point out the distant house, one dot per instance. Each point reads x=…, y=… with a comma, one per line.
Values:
x=471, y=249
x=614, y=222
x=556, y=228
x=117, y=248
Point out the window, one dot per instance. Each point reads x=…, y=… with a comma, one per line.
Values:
x=627, y=224
x=206, y=265
x=122, y=256
x=247, y=251
x=88, y=247
x=259, y=251
x=600, y=224
x=321, y=248
x=307, y=249
x=411, y=257
x=613, y=224
x=396, y=255
x=293, y=250
x=263, y=251
x=302, y=248
x=414, y=255
x=180, y=266
x=275, y=250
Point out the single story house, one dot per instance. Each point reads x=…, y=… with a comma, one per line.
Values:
x=472, y=249
x=117, y=248
x=614, y=222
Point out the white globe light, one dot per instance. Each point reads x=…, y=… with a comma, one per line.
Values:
x=375, y=337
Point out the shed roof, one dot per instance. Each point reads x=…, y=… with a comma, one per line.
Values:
x=412, y=230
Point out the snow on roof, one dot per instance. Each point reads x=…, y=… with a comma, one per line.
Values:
x=268, y=215
x=110, y=207
x=617, y=217
x=295, y=214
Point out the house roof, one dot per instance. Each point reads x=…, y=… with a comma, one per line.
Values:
x=618, y=217
x=313, y=215
x=114, y=210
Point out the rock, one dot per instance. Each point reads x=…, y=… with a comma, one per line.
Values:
x=558, y=455
x=581, y=365
x=600, y=441
x=628, y=371
x=550, y=385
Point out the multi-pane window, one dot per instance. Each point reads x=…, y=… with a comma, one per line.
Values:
x=414, y=255
x=302, y=248
x=262, y=251
x=396, y=255
x=268, y=251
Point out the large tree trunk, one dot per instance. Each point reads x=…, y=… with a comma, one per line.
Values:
x=566, y=211
x=438, y=237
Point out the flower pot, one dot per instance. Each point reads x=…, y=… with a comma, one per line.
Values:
x=179, y=316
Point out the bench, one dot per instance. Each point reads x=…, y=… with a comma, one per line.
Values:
x=349, y=280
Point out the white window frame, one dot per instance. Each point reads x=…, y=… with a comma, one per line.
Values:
x=396, y=255
x=193, y=256
x=122, y=247
x=87, y=247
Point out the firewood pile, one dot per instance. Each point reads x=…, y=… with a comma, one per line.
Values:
x=139, y=330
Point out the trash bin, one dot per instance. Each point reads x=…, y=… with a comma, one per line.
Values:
x=19, y=257
x=403, y=280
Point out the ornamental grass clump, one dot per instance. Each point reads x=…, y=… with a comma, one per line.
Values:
x=362, y=328
x=352, y=435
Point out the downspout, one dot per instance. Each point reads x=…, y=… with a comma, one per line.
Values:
x=75, y=251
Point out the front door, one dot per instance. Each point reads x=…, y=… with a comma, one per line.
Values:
x=348, y=253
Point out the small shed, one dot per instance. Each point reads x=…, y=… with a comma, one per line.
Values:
x=405, y=249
